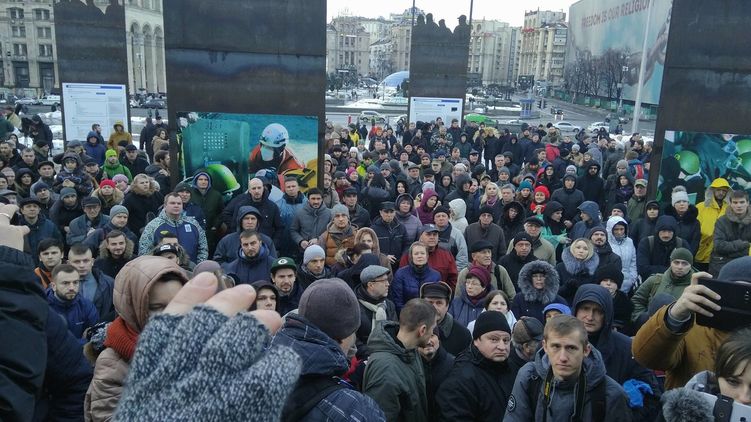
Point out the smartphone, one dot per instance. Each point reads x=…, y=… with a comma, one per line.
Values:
x=735, y=303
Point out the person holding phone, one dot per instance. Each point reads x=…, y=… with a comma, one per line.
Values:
x=671, y=341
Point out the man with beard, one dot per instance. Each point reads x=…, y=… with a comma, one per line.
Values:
x=358, y=215
x=375, y=308
x=394, y=377
x=519, y=255
x=481, y=380
x=313, y=267
x=253, y=261
x=599, y=237
x=591, y=184
x=115, y=251
x=64, y=297
x=338, y=235
x=271, y=223
x=283, y=277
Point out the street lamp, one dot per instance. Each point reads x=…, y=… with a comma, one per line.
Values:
x=624, y=70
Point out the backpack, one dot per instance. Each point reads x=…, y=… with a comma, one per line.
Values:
x=308, y=392
x=598, y=407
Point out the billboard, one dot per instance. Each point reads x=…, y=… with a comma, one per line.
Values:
x=427, y=109
x=695, y=159
x=93, y=103
x=609, y=34
x=233, y=147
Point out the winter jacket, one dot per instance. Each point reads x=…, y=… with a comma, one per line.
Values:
x=437, y=371
x=656, y=284
x=561, y=408
x=530, y=301
x=643, y=227
x=42, y=229
x=247, y=270
x=407, y=283
x=333, y=239
x=458, y=212
x=95, y=239
x=392, y=237
x=625, y=249
x=541, y=249
x=135, y=167
x=226, y=249
x=512, y=227
x=110, y=266
x=593, y=187
x=440, y=260
x=614, y=347
x=513, y=264
x=103, y=297
x=62, y=215
x=95, y=151
x=394, y=376
x=499, y=280
x=288, y=208
x=309, y=223
x=570, y=199
x=79, y=313
x=109, y=171
x=423, y=212
x=732, y=237
x=82, y=182
x=164, y=181
x=189, y=234
x=477, y=389
x=141, y=204
x=709, y=212
x=271, y=224
x=80, y=226
x=453, y=241
x=409, y=220
x=210, y=201
x=635, y=207
x=462, y=308
x=131, y=300
x=493, y=234
x=367, y=315
x=656, y=259
x=575, y=273
x=322, y=357
x=581, y=227
x=117, y=138
x=681, y=354
x=688, y=228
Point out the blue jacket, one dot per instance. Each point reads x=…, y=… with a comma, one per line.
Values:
x=189, y=234
x=248, y=270
x=79, y=313
x=463, y=310
x=580, y=228
x=79, y=228
x=95, y=151
x=322, y=357
x=226, y=250
x=407, y=283
x=43, y=229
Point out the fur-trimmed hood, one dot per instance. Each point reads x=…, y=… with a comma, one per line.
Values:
x=575, y=266
x=552, y=282
x=744, y=219
x=129, y=247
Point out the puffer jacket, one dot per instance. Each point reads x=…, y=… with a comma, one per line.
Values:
x=226, y=249
x=688, y=228
x=626, y=250
x=463, y=310
x=530, y=301
x=394, y=376
x=407, y=283
x=131, y=298
x=732, y=237
x=323, y=357
x=309, y=222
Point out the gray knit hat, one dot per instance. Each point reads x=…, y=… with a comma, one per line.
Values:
x=371, y=272
x=331, y=305
x=339, y=209
x=736, y=270
x=67, y=192
x=118, y=209
x=312, y=252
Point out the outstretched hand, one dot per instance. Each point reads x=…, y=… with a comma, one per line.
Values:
x=11, y=236
x=696, y=298
x=205, y=359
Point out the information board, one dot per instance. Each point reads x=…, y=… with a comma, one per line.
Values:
x=427, y=109
x=86, y=104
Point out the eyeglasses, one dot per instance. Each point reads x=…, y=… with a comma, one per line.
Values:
x=383, y=279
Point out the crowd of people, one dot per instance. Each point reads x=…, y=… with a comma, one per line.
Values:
x=440, y=272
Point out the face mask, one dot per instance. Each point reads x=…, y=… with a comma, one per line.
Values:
x=267, y=154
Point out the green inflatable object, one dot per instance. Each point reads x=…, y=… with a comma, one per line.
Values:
x=688, y=161
x=222, y=178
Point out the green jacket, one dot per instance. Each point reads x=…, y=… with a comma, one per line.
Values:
x=111, y=171
x=211, y=204
x=394, y=377
x=656, y=284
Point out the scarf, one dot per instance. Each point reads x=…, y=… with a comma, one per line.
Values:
x=121, y=338
x=379, y=312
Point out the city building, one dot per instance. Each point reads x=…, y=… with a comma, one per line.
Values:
x=492, y=52
x=145, y=41
x=347, y=46
x=543, y=46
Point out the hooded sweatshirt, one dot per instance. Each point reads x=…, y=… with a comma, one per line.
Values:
x=423, y=212
x=654, y=257
x=623, y=247
x=458, y=211
x=409, y=220
x=580, y=228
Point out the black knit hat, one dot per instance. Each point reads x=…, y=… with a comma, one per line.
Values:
x=738, y=269
x=490, y=321
x=611, y=272
x=443, y=209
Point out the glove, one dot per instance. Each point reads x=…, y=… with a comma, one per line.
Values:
x=206, y=366
x=635, y=391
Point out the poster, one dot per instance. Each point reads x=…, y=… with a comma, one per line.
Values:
x=600, y=28
x=86, y=104
x=235, y=147
x=694, y=159
x=427, y=109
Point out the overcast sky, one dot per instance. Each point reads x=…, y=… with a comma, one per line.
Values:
x=505, y=10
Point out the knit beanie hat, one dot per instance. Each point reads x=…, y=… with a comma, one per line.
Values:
x=610, y=272
x=331, y=305
x=110, y=153
x=737, y=270
x=120, y=178
x=428, y=185
x=490, y=321
x=571, y=169
x=480, y=273
x=504, y=169
x=67, y=191
x=684, y=254
x=679, y=194
x=442, y=209
x=339, y=209
x=544, y=191
x=118, y=209
x=312, y=252
x=40, y=186
x=107, y=182
x=525, y=184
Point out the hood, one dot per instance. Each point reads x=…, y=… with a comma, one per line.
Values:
x=666, y=222
x=74, y=156
x=118, y=123
x=383, y=339
x=429, y=193
x=552, y=282
x=461, y=180
x=574, y=266
x=411, y=203
x=133, y=283
x=519, y=210
x=376, y=245
x=594, y=369
x=612, y=221
x=592, y=210
x=599, y=295
x=591, y=163
x=458, y=208
x=200, y=173
x=689, y=217
x=320, y=354
x=92, y=134
x=551, y=208
x=245, y=210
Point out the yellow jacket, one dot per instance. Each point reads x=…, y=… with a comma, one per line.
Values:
x=709, y=212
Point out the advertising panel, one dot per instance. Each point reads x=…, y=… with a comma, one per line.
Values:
x=427, y=109
x=612, y=32
x=93, y=103
x=695, y=159
x=233, y=147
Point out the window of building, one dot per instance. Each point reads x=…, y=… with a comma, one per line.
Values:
x=21, y=70
x=45, y=50
x=19, y=49
x=44, y=32
x=18, y=31
x=41, y=14
x=15, y=13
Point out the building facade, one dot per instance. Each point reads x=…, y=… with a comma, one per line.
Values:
x=492, y=52
x=543, y=46
x=145, y=44
x=347, y=46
